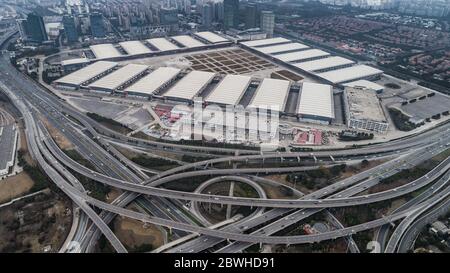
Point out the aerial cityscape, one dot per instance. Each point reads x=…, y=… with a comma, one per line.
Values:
x=224, y=126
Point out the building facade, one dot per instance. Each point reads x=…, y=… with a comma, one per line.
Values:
x=267, y=22
x=231, y=13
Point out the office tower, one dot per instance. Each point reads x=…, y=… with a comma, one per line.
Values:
x=70, y=28
x=168, y=16
x=267, y=22
x=97, y=25
x=35, y=28
x=231, y=13
x=251, y=12
x=207, y=14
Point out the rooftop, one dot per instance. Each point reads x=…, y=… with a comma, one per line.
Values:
x=365, y=84
x=75, y=61
x=350, y=73
x=281, y=48
x=230, y=90
x=262, y=42
x=271, y=93
x=103, y=51
x=364, y=105
x=211, y=37
x=189, y=86
x=162, y=44
x=316, y=100
x=83, y=75
x=134, y=47
x=301, y=55
x=324, y=63
x=150, y=83
x=187, y=41
x=119, y=77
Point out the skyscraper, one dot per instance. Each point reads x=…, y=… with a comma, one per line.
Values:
x=97, y=26
x=267, y=22
x=231, y=13
x=251, y=12
x=70, y=28
x=207, y=14
x=35, y=28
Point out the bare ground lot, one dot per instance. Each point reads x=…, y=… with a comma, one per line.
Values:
x=15, y=186
x=60, y=139
x=134, y=234
x=32, y=224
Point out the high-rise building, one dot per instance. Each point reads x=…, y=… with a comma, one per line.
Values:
x=251, y=15
x=22, y=25
x=207, y=14
x=35, y=28
x=97, y=25
x=231, y=13
x=70, y=28
x=267, y=22
x=168, y=16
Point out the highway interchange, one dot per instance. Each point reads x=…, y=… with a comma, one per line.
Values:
x=93, y=141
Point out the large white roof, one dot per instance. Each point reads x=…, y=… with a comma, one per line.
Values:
x=316, y=100
x=103, y=51
x=230, y=90
x=211, y=37
x=365, y=84
x=187, y=41
x=119, y=77
x=134, y=47
x=75, y=61
x=83, y=75
x=325, y=63
x=263, y=42
x=162, y=44
x=281, y=48
x=271, y=93
x=350, y=73
x=189, y=86
x=301, y=55
x=150, y=83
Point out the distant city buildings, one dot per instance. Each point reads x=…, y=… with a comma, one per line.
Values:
x=434, y=8
x=267, y=22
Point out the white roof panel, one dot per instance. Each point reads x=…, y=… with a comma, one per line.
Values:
x=350, y=73
x=230, y=90
x=211, y=37
x=162, y=44
x=365, y=84
x=83, y=75
x=271, y=93
x=189, y=86
x=263, y=42
x=281, y=48
x=75, y=61
x=301, y=55
x=134, y=47
x=119, y=77
x=103, y=51
x=187, y=41
x=150, y=83
x=325, y=63
x=316, y=100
